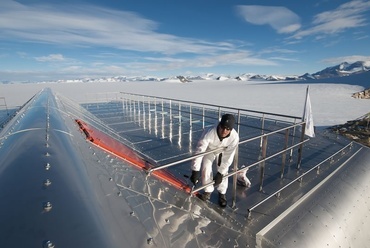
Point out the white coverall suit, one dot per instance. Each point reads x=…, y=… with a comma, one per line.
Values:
x=210, y=141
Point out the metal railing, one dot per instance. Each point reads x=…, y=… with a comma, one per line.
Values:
x=142, y=105
x=184, y=160
x=288, y=129
x=132, y=98
x=3, y=104
x=299, y=178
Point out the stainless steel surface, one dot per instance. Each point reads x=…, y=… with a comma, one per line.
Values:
x=333, y=214
x=59, y=189
x=80, y=206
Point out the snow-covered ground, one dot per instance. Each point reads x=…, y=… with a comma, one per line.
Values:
x=331, y=103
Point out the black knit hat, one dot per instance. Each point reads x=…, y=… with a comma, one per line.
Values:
x=227, y=121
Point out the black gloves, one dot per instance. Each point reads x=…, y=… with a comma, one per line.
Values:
x=217, y=178
x=195, y=176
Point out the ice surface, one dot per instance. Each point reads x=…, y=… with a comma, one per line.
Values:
x=331, y=103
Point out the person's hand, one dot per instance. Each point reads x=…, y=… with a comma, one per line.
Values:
x=195, y=176
x=218, y=178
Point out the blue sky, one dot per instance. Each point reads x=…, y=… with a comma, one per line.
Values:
x=53, y=39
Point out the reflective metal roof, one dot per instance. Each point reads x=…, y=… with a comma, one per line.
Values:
x=57, y=188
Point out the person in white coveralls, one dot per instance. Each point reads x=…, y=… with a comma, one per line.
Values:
x=221, y=135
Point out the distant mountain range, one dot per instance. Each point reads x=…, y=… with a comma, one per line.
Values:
x=329, y=74
x=357, y=73
x=341, y=70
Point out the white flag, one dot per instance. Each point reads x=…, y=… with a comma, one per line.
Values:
x=307, y=117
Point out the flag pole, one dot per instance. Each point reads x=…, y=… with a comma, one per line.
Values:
x=307, y=127
x=305, y=103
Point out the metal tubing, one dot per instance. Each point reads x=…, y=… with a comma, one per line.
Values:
x=293, y=135
x=262, y=164
x=215, y=106
x=293, y=181
x=203, y=114
x=139, y=112
x=170, y=110
x=218, y=149
x=185, y=159
x=301, y=147
x=247, y=167
x=236, y=162
x=267, y=158
x=262, y=128
x=283, y=159
x=190, y=116
x=270, y=133
x=263, y=137
x=231, y=174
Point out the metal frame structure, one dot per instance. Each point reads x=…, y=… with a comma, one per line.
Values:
x=4, y=104
x=142, y=105
x=114, y=161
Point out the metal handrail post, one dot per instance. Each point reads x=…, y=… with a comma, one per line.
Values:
x=139, y=111
x=236, y=162
x=190, y=117
x=144, y=114
x=293, y=135
x=170, y=110
x=162, y=106
x=179, y=111
x=123, y=100
x=262, y=164
x=283, y=159
x=134, y=109
x=262, y=129
x=130, y=107
x=203, y=118
x=301, y=146
x=155, y=119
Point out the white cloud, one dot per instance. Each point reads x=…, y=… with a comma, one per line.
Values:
x=349, y=59
x=278, y=50
x=109, y=30
x=86, y=25
x=346, y=16
x=284, y=59
x=144, y=66
x=237, y=58
x=51, y=58
x=281, y=19
x=363, y=37
x=241, y=58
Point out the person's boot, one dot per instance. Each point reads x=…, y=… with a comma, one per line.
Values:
x=222, y=200
x=205, y=196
